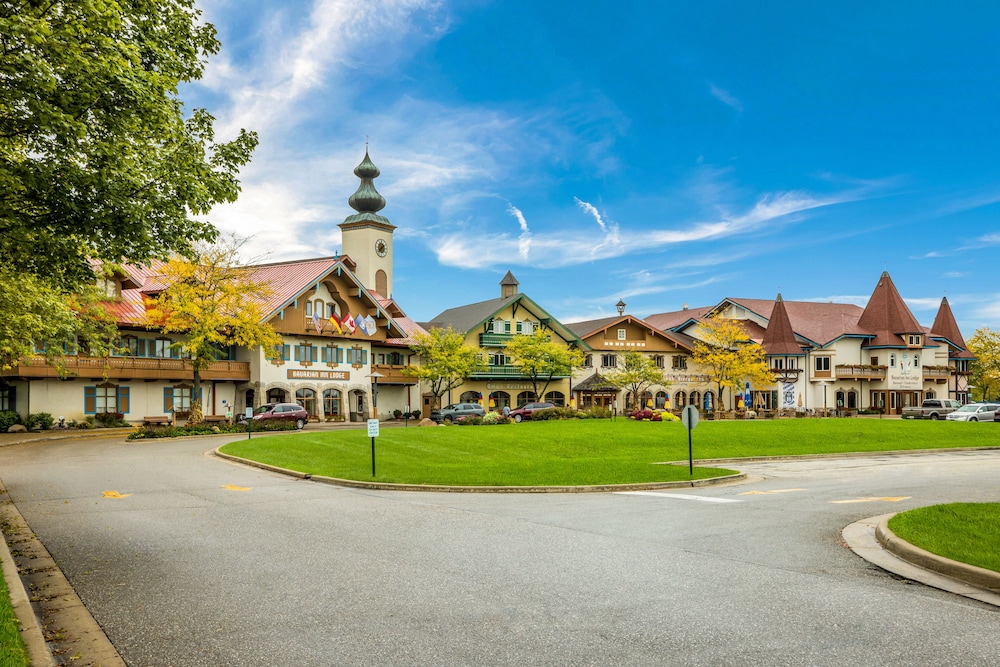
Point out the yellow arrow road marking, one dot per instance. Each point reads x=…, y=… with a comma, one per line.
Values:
x=765, y=493
x=115, y=494
x=887, y=499
x=233, y=487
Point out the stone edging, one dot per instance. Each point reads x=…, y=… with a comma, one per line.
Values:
x=969, y=574
x=31, y=628
x=441, y=488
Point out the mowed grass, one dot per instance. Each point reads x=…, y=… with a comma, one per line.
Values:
x=12, y=650
x=600, y=451
x=966, y=532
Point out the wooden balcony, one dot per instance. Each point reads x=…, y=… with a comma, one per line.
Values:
x=393, y=374
x=939, y=374
x=505, y=372
x=494, y=339
x=130, y=368
x=860, y=372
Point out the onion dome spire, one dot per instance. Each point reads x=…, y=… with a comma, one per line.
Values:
x=366, y=200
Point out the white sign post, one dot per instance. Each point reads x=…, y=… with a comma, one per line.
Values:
x=689, y=417
x=373, y=433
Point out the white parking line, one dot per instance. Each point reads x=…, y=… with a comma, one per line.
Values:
x=680, y=496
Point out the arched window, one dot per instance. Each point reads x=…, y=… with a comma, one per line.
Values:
x=680, y=399
x=646, y=400
x=695, y=399
x=331, y=402
x=381, y=283
x=852, y=400
x=526, y=397
x=499, y=400
x=916, y=361
x=661, y=400
x=588, y=361
x=307, y=399
x=892, y=360
x=276, y=395
x=470, y=397
x=556, y=398
x=309, y=309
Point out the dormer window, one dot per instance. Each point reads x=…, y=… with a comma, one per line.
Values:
x=621, y=334
x=108, y=287
x=914, y=340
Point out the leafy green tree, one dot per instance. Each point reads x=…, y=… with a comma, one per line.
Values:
x=541, y=359
x=984, y=372
x=636, y=374
x=40, y=320
x=214, y=302
x=729, y=357
x=445, y=361
x=98, y=158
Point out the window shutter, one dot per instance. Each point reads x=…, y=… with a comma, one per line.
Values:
x=340, y=355
x=90, y=400
x=325, y=354
x=298, y=353
x=284, y=352
x=168, y=399
x=314, y=354
x=123, y=402
x=12, y=398
x=364, y=356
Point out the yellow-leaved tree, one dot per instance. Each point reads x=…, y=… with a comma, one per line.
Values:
x=215, y=302
x=728, y=356
x=984, y=372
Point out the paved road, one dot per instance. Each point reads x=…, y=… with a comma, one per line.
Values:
x=203, y=562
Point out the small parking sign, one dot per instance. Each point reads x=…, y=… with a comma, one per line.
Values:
x=373, y=428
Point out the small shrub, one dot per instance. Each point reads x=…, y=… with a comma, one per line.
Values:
x=469, y=421
x=641, y=414
x=7, y=419
x=553, y=413
x=110, y=419
x=415, y=414
x=594, y=412
x=492, y=418
x=42, y=421
x=398, y=414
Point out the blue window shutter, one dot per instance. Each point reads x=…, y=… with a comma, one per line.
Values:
x=315, y=354
x=340, y=355
x=89, y=400
x=324, y=354
x=168, y=399
x=298, y=352
x=123, y=402
x=285, y=352
x=364, y=356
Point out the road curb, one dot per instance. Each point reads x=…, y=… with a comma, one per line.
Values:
x=31, y=627
x=861, y=537
x=441, y=488
x=970, y=574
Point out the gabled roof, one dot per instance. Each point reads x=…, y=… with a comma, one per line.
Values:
x=595, y=383
x=945, y=327
x=887, y=317
x=409, y=327
x=677, y=318
x=779, y=338
x=590, y=327
x=467, y=319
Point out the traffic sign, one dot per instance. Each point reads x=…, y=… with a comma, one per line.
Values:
x=373, y=428
x=689, y=417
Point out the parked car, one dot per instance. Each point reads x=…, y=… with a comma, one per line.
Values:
x=524, y=412
x=975, y=412
x=286, y=411
x=932, y=408
x=457, y=412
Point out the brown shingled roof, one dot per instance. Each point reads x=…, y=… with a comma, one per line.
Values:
x=887, y=316
x=946, y=327
x=779, y=338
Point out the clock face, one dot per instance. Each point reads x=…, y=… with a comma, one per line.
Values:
x=381, y=248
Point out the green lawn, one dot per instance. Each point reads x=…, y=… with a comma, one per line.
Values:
x=966, y=532
x=12, y=650
x=600, y=451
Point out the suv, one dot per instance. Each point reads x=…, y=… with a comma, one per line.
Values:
x=974, y=412
x=457, y=412
x=287, y=411
x=524, y=412
x=932, y=408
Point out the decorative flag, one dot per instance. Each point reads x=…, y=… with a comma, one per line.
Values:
x=316, y=321
x=362, y=325
x=370, y=327
x=349, y=323
x=336, y=324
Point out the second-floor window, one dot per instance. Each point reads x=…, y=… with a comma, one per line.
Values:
x=609, y=361
x=680, y=363
x=823, y=364
x=659, y=361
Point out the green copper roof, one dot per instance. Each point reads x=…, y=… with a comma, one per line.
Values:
x=366, y=200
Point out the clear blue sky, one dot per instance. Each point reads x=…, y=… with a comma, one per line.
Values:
x=659, y=152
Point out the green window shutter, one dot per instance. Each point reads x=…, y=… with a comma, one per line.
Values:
x=168, y=399
x=89, y=400
x=123, y=402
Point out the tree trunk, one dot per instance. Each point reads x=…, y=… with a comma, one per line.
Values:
x=196, y=412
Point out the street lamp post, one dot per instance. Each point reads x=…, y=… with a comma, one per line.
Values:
x=375, y=376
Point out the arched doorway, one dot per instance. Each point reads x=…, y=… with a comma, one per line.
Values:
x=526, y=397
x=499, y=400
x=307, y=399
x=556, y=398
x=331, y=403
x=357, y=403
x=276, y=395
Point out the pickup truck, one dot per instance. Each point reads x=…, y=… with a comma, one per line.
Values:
x=932, y=408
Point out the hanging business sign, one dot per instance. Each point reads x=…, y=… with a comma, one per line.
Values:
x=299, y=374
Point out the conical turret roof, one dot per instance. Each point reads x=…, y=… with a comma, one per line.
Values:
x=779, y=338
x=887, y=316
x=946, y=327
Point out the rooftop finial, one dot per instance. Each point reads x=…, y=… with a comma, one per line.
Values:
x=620, y=306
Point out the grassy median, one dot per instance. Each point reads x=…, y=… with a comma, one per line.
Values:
x=600, y=451
x=966, y=532
x=12, y=650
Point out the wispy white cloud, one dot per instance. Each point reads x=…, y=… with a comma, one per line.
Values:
x=990, y=239
x=524, y=240
x=725, y=97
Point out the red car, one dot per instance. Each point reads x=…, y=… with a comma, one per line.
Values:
x=287, y=411
x=524, y=412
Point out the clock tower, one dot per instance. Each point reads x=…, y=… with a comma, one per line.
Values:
x=367, y=236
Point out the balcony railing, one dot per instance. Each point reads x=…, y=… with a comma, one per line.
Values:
x=494, y=339
x=393, y=374
x=491, y=372
x=125, y=368
x=936, y=372
x=860, y=372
